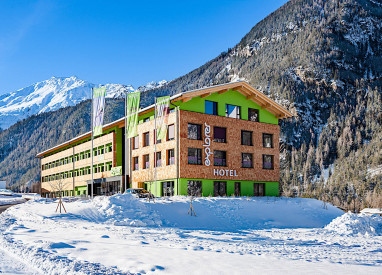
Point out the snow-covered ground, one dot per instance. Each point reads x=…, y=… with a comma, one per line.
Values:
x=121, y=234
x=4, y=200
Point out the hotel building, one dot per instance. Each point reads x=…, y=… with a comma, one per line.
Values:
x=221, y=141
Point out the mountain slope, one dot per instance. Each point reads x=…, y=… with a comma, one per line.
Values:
x=49, y=95
x=323, y=61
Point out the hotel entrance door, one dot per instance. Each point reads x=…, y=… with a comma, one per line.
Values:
x=259, y=189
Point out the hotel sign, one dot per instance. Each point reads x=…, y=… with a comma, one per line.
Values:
x=207, y=151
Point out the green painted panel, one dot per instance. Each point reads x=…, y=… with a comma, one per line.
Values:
x=247, y=188
x=80, y=190
x=272, y=189
x=207, y=188
x=230, y=188
x=231, y=97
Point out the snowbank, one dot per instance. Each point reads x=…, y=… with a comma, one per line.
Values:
x=5, y=200
x=215, y=213
x=356, y=224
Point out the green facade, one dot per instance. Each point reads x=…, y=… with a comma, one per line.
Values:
x=180, y=187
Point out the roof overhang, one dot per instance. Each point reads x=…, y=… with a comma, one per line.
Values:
x=242, y=87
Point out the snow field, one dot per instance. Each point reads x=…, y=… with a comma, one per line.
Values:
x=229, y=236
x=4, y=200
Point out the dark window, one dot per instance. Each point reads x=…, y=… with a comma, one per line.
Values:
x=258, y=189
x=195, y=156
x=253, y=115
x=136, y=142
x=146, y=161
x=268, y=140
x=211, y=108
x=146, y=119
x=135, y=164
x=158, y=159
x=267, y=162
x=237, y=189
x=220, y=134
x=170, y=157
x=156, y=140
x=246, y=160
x=146, y=139
x=220, y=188
x=168, y=188
x=246, y=138
x=171, y=132
x=194, y=188
x=194, y=131
x=232, y=111
x=220, y=158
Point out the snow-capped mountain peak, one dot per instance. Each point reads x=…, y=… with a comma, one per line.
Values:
x=50, y=95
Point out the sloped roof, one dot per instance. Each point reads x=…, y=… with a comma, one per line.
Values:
x=240, y=86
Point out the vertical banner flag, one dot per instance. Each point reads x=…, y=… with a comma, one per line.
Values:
x=162, y=112
x=98, y=110
x=132, y=108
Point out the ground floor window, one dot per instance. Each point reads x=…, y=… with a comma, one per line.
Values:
x=194, y=188
x=168, y=188
x=259, y=189
x=220, y=188
x=237, y=189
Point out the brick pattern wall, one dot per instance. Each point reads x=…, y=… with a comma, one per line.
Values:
x=165, y=171
x=233, y=148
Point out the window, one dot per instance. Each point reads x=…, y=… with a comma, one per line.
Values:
x=246, y=160
x=168, y=188
x=195, y=156
x=220, y=188
x=211, y=107
x=135, y=164
x=267, y=162
x=155, y=138
x=237, y=189
x=194, y=131
x=246, y=138
x=108, y=166
x=258, y=189
x=220, y=158
x=194, y=188
x=268, y=140
x=253, y=115
x=158, y=159
x=171, y=132
x=136, y=142
x=146, y=139
x=232, y=111
x=220, y=134
x=170, y=157
x=146, y=119
x=109, y=148
x=146, y=161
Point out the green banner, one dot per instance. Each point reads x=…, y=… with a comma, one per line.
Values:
x=132, y=108
x=98, y=110
x=162, y=111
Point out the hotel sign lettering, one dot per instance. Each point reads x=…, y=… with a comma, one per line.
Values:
x=207, y=151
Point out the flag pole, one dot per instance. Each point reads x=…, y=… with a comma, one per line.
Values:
x=155, y=141
x=127, y=159
x=91, y=186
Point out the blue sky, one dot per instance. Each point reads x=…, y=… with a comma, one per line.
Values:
x=127, y=42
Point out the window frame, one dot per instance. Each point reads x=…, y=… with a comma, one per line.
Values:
x=242, y=160
x=199, y=134
x=145, y=161
x=273, y=163
x=215, y=139
x=238, y=115
x=242, y=137
x=214, y=108
x=169, y=157
x=264, y=137
x=146, y=139
x=197, y=157
x=225, y=159
x=168, y=132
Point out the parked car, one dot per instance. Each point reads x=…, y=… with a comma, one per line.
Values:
x=139, y=192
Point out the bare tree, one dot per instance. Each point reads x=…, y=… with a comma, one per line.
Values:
x=59, y=186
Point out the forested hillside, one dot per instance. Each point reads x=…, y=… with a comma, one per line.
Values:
x=322, y=60
x=20, y=143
